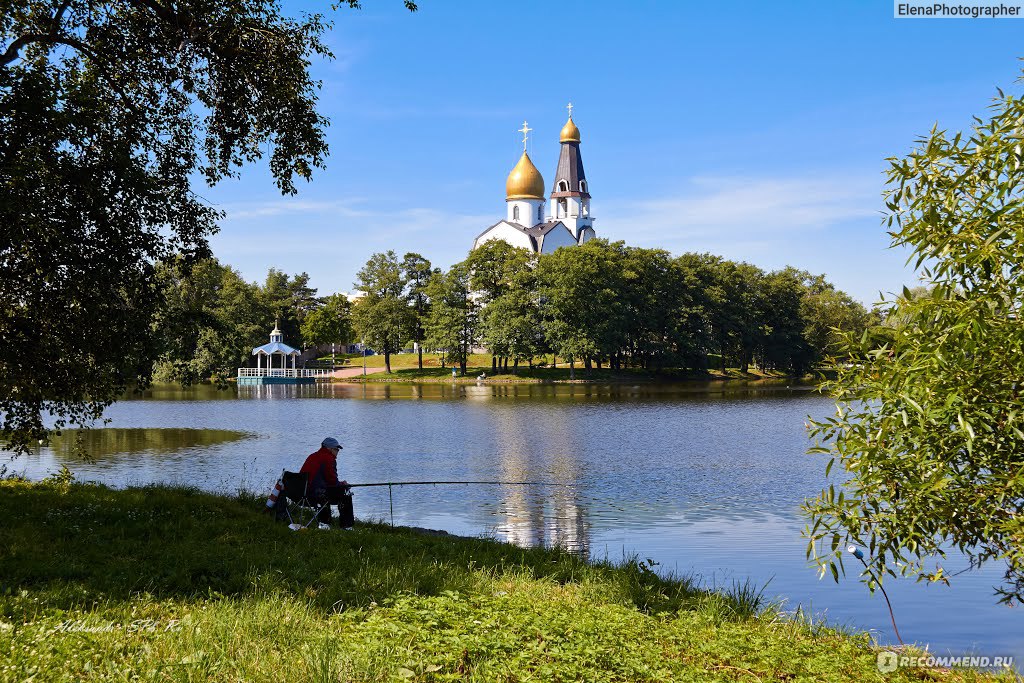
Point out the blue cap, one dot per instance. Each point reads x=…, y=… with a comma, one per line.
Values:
x=330, y=442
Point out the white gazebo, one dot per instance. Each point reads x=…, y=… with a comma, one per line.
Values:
x=266, y=373
x=274, y=348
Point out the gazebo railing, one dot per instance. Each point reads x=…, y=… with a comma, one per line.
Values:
x=284, y=372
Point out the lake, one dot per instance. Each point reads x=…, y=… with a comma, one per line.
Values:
x=698, y=478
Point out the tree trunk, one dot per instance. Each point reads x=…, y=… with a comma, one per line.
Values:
x=419, y=347
x=515, y=365
x=572, y=368
x=462, y=367
x=598, y=361
x=505, y=369
x=588, y=364
x=387, y=361
x=494, y=364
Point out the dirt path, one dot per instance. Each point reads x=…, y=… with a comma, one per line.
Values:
x=354, y=372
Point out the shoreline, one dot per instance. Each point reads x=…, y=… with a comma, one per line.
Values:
x=607, y=378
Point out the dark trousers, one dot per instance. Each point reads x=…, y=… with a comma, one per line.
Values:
x=334, y=495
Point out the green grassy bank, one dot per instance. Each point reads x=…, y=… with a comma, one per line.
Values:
x=164, y=584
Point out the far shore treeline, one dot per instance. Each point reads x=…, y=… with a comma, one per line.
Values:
x=599, y=305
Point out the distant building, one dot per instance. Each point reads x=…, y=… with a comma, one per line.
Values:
x=568, y=221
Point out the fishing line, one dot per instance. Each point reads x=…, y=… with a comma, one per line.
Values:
x=390, y=484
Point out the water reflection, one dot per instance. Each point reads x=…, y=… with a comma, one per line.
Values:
x=696, y=391
x=539, y=515
x=104, y=444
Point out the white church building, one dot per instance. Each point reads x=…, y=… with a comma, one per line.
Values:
x=568, y=221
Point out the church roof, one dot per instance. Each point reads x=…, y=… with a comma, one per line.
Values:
x=524, y=181
x=536, y=233
x=570, y=133
x=542, y=229
x=570, y=169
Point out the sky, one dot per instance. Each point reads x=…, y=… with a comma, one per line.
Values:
x=757, y=131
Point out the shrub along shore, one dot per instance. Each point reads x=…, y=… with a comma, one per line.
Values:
x=171, y=584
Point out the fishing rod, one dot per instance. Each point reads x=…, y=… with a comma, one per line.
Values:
x=390, y=484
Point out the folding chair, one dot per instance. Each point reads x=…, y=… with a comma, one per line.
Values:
x=296, y=485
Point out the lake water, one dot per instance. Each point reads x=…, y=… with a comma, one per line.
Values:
x=699, y=479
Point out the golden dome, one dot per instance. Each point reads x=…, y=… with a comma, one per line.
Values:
x=570, y=133
x=525, y=181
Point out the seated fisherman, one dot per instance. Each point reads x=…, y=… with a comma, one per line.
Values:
x=322, y=468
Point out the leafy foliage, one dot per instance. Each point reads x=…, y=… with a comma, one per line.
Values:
x=608, y=303
x=330, y=324
x=453, y=324
x=929, y=424
x=382, y=317
x=417, y=273
x=212, y=318
x=108, y=110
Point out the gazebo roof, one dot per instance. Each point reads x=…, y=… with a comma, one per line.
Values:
x=276, y=347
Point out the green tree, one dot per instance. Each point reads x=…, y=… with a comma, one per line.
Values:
x=329, y=324
x=693, y=275
x=653, y=295
x=452, y=323
x=191, y=293
x=210, y=322
x=108, y=110
x=828, y=314
x=493, y=268
x=580, y=290
x=381, y=316
x=289, y=299
x=780, y=344
x=417, y=272
x=929, y=427
x=510, y=325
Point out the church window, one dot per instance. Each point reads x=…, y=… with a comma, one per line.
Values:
x=563, y=208
x=515, y=213
x=583, y=186
x=540, y=213
x=563, y=186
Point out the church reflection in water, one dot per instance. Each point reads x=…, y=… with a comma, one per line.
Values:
x=539, y=515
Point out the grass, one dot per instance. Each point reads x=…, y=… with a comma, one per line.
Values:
x=170, y=584
x=404, y=368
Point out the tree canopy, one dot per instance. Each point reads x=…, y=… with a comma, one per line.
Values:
x=929, y=431
x=108, y=111
x=382, y=315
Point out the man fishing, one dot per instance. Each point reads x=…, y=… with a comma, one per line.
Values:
x=322, y=468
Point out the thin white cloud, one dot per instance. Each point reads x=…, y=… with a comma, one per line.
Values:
x=729, y=209
x=283, y=207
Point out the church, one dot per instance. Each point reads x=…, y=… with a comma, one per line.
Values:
x=568, y=221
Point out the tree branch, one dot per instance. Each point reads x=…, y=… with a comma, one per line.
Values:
x=14, y=49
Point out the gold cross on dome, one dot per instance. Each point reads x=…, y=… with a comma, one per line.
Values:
x=569, y=107
x=525, y=130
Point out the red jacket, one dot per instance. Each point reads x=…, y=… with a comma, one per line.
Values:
x=322, y=468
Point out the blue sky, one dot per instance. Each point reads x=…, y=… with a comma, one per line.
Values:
x=752, y=130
